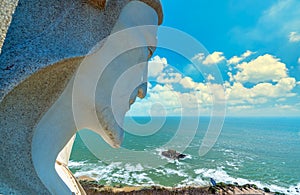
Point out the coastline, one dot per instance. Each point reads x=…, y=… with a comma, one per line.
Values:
x=266, y=158
x=92, y=187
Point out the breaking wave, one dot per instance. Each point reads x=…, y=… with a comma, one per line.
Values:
x=129, y=174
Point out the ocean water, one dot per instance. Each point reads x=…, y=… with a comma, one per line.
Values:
x=263, y=151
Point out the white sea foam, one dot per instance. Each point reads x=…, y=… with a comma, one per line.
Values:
x=168, y=171
x=74, y=164
x=188, y=157
x=133, y=175
x=114, y=173
x=198, y=181
x=132, y=168
x=142, y=178
x=228, y=151
x=234, y=164
x=221, y=176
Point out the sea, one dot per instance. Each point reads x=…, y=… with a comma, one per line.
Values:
x=260, y=150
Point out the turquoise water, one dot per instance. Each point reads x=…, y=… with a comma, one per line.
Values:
x=264, y=151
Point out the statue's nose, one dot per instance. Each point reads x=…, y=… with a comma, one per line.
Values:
x=139, y=91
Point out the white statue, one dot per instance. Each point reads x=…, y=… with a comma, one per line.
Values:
x=37, y=125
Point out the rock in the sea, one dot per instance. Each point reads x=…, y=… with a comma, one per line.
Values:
x=173, y=154
x=42, y=44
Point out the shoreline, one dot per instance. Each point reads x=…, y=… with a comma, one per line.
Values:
x=92, y=187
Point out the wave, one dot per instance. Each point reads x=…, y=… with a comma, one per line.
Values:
x=116, y=172
x=75, y=164
x=168, y=171
x=221, y=176
x=129, y=174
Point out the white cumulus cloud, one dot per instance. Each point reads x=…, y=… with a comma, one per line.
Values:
x=260, y=93
x=247, y=54
x=156, y=66
x=175, y=93
x=214, y=58
x=263, y=68
x=210, y=77
x=236, y=59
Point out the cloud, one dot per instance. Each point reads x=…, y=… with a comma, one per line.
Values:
x=236, y=59
x=188, y=83
x=169, y=78
x=294, y=37
x=273, y=26
x=281, y=100
x=210, y=77
x=214, y=58
x=175, y=93
x=281, y=106
x=299, y=60
x=270, y=79
x=199, y=57
x=163, y=99
x=263, y=68
x=247, y=54
x=239, y=108
x=168, y=97
x=279, y=19
x=156, y=66
x=261, y=93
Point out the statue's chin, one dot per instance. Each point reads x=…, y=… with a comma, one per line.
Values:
x=111, y=120
x=111, y=131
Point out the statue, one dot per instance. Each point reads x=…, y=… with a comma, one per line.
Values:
x=42, y=45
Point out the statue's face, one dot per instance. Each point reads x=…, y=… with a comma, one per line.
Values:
x=125, y=76
x=119, y=85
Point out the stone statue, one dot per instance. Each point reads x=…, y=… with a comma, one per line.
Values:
x=42, y=45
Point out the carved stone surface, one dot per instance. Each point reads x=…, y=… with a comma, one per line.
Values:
x=44, y=45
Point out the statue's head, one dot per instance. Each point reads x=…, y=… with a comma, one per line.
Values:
x=115, y=74
x=46, y=43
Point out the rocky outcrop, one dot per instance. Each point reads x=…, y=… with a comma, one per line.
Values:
x=173, y=154
x=93, y=188
x=43, y=46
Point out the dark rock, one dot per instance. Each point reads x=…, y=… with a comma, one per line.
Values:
x=266, y=189
x=235, y=183
x=247, y=186
x=212, y=190
x=172, y=154
x=254, y=186
x=221, y=185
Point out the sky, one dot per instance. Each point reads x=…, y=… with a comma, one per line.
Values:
x=255, y=45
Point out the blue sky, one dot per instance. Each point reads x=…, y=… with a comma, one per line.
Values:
x=256, y=46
